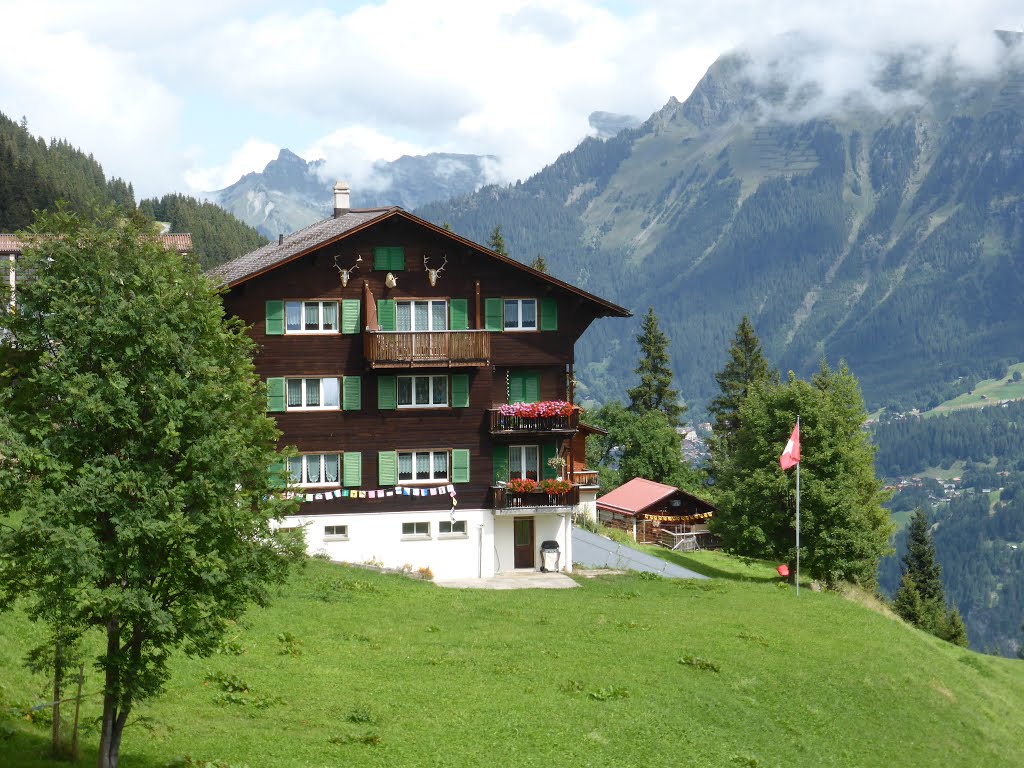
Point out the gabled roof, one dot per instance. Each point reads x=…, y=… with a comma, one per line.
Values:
x=351, y=221
x=635, y=496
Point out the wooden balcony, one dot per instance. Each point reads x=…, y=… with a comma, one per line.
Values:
x=414, y=349
x=584, y=477
x=506, y=502
x=521, y=426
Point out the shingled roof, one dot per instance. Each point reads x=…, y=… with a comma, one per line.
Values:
x=349, y=221
x=182, y=243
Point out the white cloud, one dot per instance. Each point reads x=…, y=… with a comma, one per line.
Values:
x=253, y=155
x=513, y=78
x=349, y=154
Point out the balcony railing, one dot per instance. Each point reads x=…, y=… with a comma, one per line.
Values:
x=405, y=349
x=584, y=477
x=502, y=424
x=505, y=499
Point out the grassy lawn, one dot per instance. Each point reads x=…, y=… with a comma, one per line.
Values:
x=351, y=667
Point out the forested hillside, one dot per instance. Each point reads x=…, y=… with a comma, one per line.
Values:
x=883, y=232
x=35, y=174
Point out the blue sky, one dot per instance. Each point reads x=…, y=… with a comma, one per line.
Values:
x=189, y=96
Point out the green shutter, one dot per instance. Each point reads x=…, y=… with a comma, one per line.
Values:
x=350, y=315
x=499, y=462
x=460, y=390
x=387, y=393
x=387, y=467
x=458, y=310
x=516, y=387
x=351, y=393
x=397, y=257
x=531, y=382
x=523, y=387
x=548, y=451
x=275, y=318
x=387, y=314
x=460, y=465
x=494, y=314
x=548, y=315
x=278, y=475
x=275, y=395
x=352, y=469
x=389, y=258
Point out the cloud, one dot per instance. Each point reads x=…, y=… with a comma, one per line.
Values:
x=253, y=155
x=349, y=154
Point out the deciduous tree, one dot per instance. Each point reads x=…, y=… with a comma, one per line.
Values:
x=135, y=496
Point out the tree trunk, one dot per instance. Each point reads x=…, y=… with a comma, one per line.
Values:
x=57, y=670
x=110, y=694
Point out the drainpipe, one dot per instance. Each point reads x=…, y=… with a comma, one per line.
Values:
x=480, y=551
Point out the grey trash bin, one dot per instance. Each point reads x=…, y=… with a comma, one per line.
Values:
x=549, y=554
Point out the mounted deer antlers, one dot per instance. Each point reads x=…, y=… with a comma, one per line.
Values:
x=347, y=273
x=432, y=273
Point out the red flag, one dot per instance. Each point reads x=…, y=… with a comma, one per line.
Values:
x=791, y=456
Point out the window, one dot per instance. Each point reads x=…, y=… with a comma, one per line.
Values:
x=417, y=466
x=314, y=469
x=422, y=391
x=313, y=393
x=421, y=315
x=520, y=314
x=310, y=316
x=421, y=529
x=448, y=528
x=335, y=531
x=524, y=461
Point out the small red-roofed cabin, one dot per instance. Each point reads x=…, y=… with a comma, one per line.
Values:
x=655, y=513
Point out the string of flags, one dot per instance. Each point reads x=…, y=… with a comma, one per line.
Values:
x=377, y=493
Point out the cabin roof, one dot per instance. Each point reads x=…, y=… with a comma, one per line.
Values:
x=639, y=494
x=351, y=221
x=182, y=243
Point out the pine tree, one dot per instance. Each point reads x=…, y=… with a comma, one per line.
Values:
x=540, y=264
x=921, y=598
x=746, y=367
x=655, y=392
x=497, y=242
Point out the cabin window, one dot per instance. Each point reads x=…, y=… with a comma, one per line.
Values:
x=422, y=391
x=312, y=393
x=420, y=466
x=524, y=461
x=419, y=529
x=449, y=528
x=311, y=316
x=421, y=315
x=520, y=314
x=314, y=469
x=335, y=532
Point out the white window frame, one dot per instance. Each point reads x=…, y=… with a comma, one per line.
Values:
x=432, y=385
x=320, y=315
x=322, y=482
x=305, y=393
x=518, y=324
x=420, y=530
x=336, y=533
x=432, y=480
x=453, y=531
x=522, y=461
x=430, y=315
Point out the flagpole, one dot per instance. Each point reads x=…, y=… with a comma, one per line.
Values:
x=798, y=517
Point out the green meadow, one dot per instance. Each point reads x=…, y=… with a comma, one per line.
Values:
x=350, y=667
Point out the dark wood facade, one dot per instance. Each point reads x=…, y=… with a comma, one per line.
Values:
x=488, y=359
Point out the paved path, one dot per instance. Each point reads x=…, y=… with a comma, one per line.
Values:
x=513, y=580
x=594, y=551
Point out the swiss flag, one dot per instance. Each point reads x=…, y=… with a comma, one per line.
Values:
x=791, y=456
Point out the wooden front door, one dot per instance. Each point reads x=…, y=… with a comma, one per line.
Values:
x=522, y=535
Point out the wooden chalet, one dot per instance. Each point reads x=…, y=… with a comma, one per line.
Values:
x=417, y=373
x=655, y=513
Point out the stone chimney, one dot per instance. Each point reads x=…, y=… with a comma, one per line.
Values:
x=341, y=204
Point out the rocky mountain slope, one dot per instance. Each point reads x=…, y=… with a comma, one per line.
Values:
x=291, y=193
x=882, y=224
